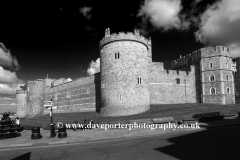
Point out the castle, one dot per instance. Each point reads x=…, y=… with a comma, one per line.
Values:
x=129, y=82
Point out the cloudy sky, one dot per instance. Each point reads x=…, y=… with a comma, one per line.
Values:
x=61, y=39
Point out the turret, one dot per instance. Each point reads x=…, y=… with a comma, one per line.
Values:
x=124, y=74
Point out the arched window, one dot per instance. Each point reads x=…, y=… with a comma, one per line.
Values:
x=226, y=65
x=211, y=78
x=212, y=91
x=228, y=90
x=227, y=77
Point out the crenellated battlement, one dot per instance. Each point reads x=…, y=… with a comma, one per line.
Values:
x=35, y=81
x=201, y=53
x=179, y=73
x=21, y=92
x=124, y=36
x=78, y=82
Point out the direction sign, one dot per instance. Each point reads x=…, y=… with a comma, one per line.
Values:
x=47, y=104
x=53, y=107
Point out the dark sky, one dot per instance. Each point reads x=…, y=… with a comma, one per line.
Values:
x=55, y=38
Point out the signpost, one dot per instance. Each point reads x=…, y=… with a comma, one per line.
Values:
x=48, y=105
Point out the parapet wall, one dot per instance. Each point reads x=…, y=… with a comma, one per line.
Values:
x=198, y=54
x=124, y=36
x=80, y=95
x=171, y=86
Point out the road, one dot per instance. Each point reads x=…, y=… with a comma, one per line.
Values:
x=220, y=143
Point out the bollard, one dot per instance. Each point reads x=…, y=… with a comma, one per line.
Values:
x=36, y=133
x=52, y=131
x=62, y=132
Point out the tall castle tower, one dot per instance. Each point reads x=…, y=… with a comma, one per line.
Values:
x=35, y=97
x=124, y=73
x=217, y=76
x=214, y=70
x=21, y=97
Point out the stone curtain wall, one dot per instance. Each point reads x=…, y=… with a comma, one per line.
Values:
x=80, y=95
x=164, y=88
x=21, y=97
x=120, y=91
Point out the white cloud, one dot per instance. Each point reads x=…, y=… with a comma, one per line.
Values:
x=163, y=14
x=9, y=89
x=6, y=59
x=94, y=67
x=8, y=77
x=220, y=24
x=86, y=12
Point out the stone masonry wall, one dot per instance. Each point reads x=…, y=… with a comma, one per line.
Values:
x=80, y=95
x=163, y=85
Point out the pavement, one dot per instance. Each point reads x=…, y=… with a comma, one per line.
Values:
x=102, y=135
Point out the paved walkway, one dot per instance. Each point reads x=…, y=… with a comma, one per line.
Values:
x=99, y=134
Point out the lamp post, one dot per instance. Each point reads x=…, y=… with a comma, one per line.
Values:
x=52, y=129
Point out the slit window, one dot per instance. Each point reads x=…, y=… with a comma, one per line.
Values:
x=139, y=80
x=212, y=91
x=68, y=95
x=211, y=65
x=178, y=80
x=211, y=77
x=120, y=98
x=55, y=97
x=103, y=85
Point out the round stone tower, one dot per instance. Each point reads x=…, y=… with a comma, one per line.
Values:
x=21, y=97
x=124, y=73
x=35, y=97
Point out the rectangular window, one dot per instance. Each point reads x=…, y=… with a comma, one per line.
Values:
x=178, y=80
x=117, y=55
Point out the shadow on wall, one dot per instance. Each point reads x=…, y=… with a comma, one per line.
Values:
x=97, y=83
x=220, y=143
x=25, y=156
